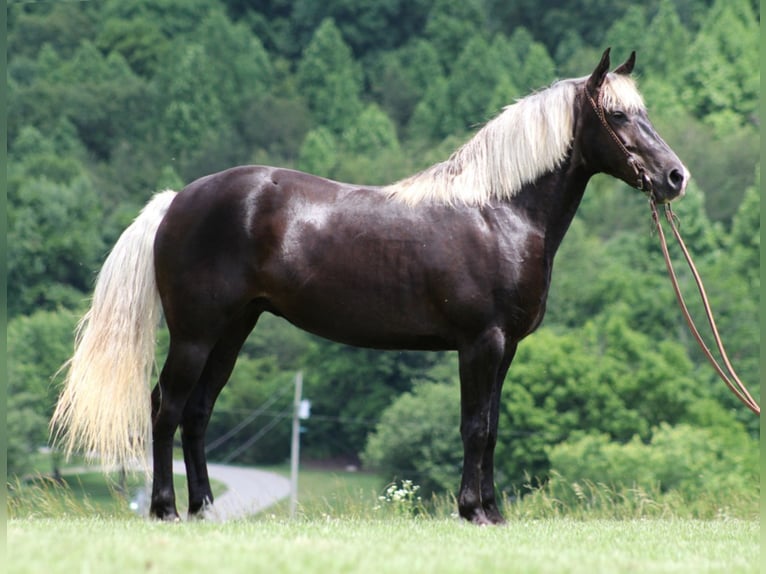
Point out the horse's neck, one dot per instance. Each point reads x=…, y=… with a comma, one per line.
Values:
x=551, y=202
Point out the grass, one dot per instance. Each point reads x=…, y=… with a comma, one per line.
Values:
x=381, y=546
x=333, y=493
x=85, y=493
x=343, y=526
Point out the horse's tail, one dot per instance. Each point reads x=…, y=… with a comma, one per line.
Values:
x=104, y=408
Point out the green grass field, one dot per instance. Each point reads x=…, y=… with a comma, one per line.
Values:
x=344, y=527
x=392, y=545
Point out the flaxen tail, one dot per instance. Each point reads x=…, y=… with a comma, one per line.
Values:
x=104, y=408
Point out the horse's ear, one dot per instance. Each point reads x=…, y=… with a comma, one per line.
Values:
x=627, y=67
x=599, y=74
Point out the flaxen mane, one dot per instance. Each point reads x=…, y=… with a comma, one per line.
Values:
x=527, y=140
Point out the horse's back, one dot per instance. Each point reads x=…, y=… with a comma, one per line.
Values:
x=226, y=236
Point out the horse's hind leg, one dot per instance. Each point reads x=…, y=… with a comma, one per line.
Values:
x=182, y=369
x=199, y=407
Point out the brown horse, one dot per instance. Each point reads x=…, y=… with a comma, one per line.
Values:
x=456, y=257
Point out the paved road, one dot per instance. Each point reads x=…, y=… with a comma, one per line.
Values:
x=248, y=490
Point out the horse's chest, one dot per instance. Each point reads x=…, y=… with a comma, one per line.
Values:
x=522, y=286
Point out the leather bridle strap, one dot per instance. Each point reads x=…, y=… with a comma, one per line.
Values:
x=731, y=379
x=598, y=108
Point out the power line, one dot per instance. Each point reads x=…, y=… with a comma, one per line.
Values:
x=253, y=439
x=255, y=414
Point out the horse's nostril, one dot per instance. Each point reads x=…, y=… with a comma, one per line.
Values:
x=676, y=178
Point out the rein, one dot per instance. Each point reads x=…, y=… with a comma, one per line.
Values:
x=731, y=379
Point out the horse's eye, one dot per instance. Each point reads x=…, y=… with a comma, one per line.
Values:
x=618, y=115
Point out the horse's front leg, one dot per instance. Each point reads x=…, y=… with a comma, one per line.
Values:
x=488, y=495
x=480, y=363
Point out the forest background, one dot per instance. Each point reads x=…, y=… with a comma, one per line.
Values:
x=110, y=101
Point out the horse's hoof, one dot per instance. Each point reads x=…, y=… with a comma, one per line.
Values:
x=494, y=516
x=165, y=516
x=481, y=519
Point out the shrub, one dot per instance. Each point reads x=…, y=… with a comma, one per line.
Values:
x=691, y=461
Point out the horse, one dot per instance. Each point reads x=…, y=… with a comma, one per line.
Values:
x=456, y=257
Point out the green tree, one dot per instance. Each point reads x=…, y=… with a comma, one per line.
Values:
x=349, y=388
x=527, y=61
x=692, y=461
x=24, y=427
x=604, y=377
x=38, y=345
x=433, y=117
x=174, y=17
x=372, y=132
x=242, y=70
x=319, y=152
x=719, y=82
x=54, y=217
x=400, y=78
x=664, y=50
x=450, y=25
x=102, y=97
x=418, y=438
x=330, y=79
x=367, y=25
x=192, y=112
x=471, y=86
x=628, y=33
x=139, y=40
x=60, y=25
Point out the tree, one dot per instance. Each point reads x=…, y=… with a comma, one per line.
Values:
x=349, y=388
x=604, y=377
x=370, y=133
x=139, y=40
x=103, y=98
x=450, y=25
x=192, y=109
x=54, y=217
x=526, y=60
x=319, y=152
x=401, y=78
x=663, y=51
x=367, y=25
x=243, y=71
x=433, y=117
x=719, y=84
x=38, y=345
x=61, y=26
x=330, y=79
x=471, y=86
x=628, y=33
x=418, y=438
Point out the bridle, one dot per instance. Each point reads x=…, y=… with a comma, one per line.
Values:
x=731, y=378
x=598, y=107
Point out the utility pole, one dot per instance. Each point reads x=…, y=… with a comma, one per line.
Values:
x=296, y=443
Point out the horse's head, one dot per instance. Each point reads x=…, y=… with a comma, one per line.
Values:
x=617, y=137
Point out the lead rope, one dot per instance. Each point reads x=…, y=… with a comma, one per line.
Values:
x=737, y=387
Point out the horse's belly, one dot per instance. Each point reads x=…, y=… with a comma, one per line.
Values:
x=347, y=312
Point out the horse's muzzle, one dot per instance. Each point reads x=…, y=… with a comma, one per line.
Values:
x=672, y=185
